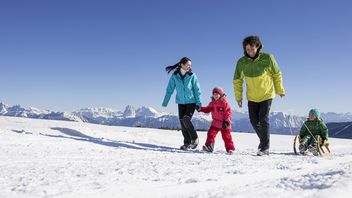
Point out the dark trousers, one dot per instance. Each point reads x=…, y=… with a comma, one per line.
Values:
x=259, y=117
x=185, y=113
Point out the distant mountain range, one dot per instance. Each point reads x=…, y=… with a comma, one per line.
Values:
x=280, y=122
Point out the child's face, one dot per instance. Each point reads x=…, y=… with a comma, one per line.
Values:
x=216, y=96
x=312, y=117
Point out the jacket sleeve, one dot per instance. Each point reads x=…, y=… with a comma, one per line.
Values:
x=324, y=130
x=277, y=77
x=238, y=82
x=228, y=113
x=197, y=91
x=303, y=131
x=169, y=91
x=207, y=109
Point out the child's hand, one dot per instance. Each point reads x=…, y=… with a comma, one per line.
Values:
x=225, y=124
x=198, y=108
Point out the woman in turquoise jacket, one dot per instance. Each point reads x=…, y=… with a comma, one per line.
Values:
x=187, y=97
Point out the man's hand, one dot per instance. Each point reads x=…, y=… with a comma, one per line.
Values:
x=239, y=102
x=282, y=95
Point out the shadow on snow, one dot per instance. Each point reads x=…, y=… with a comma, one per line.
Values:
x=77, y=135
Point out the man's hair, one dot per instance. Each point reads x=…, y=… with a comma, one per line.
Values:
x=253, y=41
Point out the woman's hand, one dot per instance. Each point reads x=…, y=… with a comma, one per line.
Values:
x=198, y=108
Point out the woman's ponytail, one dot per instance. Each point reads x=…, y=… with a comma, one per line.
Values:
x=170, y=68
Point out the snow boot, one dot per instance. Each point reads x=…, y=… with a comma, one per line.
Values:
x=302, y=148
x=208, y=148
x=230, y=152
x=313, y=149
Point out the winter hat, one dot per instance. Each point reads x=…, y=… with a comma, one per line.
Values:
x=315, y=112
x=218, y=90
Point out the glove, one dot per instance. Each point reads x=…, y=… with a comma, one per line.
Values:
x=225, y=124
x=198, y=108
x=325, y=142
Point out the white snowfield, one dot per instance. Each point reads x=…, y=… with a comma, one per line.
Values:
x=41, y=158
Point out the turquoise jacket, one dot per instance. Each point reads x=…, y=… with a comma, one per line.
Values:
x=187, y=90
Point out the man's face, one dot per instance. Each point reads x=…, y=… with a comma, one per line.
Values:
x=251, y=50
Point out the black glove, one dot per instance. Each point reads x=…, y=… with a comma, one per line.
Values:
x=225, y=124
x=198, y=108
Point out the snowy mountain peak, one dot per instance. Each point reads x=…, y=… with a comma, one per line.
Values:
x=147, y=112
x=336, y=117
x=16, y=110
x=100, y=111
x=130, y=111
x=3, y=108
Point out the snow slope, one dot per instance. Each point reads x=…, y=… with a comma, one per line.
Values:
x=43, y=158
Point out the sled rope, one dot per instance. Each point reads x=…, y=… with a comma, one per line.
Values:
x=311, y=133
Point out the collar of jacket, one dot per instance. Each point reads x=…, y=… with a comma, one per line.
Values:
x=179, y=72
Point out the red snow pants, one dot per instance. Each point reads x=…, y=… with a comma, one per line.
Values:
x=226, y=136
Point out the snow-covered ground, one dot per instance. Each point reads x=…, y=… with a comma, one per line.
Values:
x=41, y=158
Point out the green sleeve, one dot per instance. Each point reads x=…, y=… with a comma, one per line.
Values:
x=277, y=76
x=238, y=81
x=303, y=131
x=324, y=130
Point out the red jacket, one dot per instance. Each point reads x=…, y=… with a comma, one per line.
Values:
x=220, y=111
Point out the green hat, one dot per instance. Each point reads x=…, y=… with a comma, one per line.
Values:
x=314, y=112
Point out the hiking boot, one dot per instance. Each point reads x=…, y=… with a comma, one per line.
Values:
x=185, y=147
x=194, y=143
x=263, y=152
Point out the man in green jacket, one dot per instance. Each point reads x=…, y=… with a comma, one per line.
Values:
x=263, y=81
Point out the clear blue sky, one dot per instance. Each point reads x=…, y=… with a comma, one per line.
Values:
x=66, y=55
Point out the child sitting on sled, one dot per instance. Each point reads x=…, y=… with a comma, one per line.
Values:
x=314, y=126
x=221, y=115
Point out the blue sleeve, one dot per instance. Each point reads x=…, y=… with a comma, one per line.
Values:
x=169, y=91
x=197, y=91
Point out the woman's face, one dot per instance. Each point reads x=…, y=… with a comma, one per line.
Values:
x=251, y=50
x=186, y=66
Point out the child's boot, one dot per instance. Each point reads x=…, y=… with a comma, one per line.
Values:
x=208, y=148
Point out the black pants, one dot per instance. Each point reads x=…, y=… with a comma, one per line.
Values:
x=259, y=117
x=185, y=113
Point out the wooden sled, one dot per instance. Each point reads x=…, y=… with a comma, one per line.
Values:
x=323, y=149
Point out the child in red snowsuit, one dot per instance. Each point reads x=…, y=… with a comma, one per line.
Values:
x=221, y=114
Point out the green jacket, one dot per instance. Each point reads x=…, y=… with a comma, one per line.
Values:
x=316, y=127
x=262, y=75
